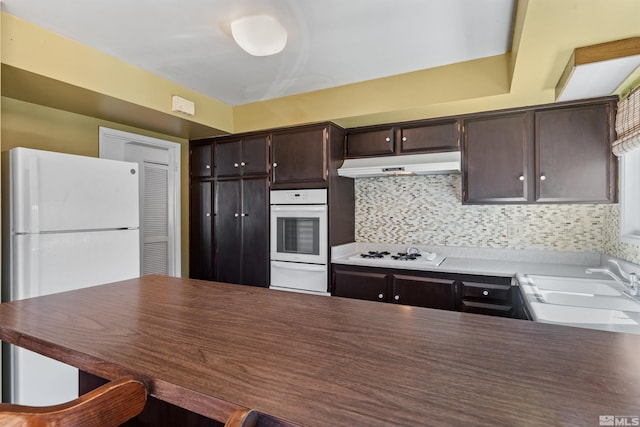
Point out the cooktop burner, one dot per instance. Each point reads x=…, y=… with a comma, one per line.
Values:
x=411, y=256
x=375, y=254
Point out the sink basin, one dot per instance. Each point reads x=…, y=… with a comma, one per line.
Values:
x=580, y=315
x=591, y=301
x=575, y=285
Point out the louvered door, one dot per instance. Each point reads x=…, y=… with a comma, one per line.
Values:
x=155, y=219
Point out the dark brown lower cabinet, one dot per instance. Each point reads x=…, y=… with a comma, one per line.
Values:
x=384, y=285
x=423, y=291
x=494, y=298
x=201, y=262
x=489, y=295
x=242, y=231
x=357, y=284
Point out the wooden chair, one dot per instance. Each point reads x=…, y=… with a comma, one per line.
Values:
x=109, y=405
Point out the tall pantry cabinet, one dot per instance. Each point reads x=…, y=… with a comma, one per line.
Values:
x=229, y=238
x=230, y=180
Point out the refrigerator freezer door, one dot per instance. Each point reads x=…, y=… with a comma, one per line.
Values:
x=57, y=192
x=50, y=263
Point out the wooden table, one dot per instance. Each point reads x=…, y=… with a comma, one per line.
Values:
x=317, y=361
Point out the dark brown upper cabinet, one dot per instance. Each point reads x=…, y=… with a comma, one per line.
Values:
x=378, y=142
x=242, y=157
x=306, y=156
x=498, y=159
x=573, y=155
x=404, y=138
x=550, y=154
x=434, y=137
x=201, y=159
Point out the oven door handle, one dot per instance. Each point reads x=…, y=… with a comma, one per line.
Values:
x=298, y=208
x=299, y=267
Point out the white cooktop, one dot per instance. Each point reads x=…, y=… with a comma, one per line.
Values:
x=398, y=259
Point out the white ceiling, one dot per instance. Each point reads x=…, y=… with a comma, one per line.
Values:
x=331, y=42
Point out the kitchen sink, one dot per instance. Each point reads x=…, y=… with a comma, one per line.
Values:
x=591, y=301
x=575, y=285
x=579, y=301
x=580, y=315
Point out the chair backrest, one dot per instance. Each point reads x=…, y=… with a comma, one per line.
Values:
x=243, y=418
x=109, y=405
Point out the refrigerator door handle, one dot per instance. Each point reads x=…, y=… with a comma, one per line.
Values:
x=34, y=197
x=26, y=267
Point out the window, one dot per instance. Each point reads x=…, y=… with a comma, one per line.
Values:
x=630, y=197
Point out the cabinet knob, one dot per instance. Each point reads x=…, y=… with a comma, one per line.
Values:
x=243, y=164
x=521, y=177
x=396, y=297
x=542, y=177
x=207, y=214
x=275, y=165
x=244, y=214
x=380, y=296
x=404, y=139
x=207, y=167
x=387, y=139
x=485, y=292
x=235, y=165
x=236, y=215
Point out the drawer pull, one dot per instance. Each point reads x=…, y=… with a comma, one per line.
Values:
x=485, y=292
x=380, y=296
x=396, y=297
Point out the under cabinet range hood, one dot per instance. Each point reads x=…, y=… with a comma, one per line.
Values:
x=415, y=164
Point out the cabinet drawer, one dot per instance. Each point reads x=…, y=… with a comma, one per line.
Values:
x=485, y=291
x=502, y=310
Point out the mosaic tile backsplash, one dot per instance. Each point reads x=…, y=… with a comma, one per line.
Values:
x=428, y=210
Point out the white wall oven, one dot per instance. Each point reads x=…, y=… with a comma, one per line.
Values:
x=299, y=241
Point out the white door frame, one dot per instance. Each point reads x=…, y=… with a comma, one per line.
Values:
x=112, y=146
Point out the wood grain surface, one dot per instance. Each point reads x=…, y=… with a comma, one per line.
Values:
x=316, y=361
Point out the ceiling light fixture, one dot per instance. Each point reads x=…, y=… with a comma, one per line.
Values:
x=598, y=70
x=259, y=35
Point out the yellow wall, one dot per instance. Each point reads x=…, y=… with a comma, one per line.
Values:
x=34, y=126
x=33, y=49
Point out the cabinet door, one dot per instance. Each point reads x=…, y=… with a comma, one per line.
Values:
x=370, y=143
x=201, y=165
x=201, y=265
x=574, y=159
x=498, y=159
x=226, y=157
x=227, y=231
x=442, y=136
x=366, y=285
x=424, y=291
x=300, y=158
x=255, y=232
x=255, y=156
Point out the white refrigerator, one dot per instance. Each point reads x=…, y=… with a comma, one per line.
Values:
x=69, y=222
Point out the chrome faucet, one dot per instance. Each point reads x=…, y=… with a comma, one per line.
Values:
x=627, y=280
